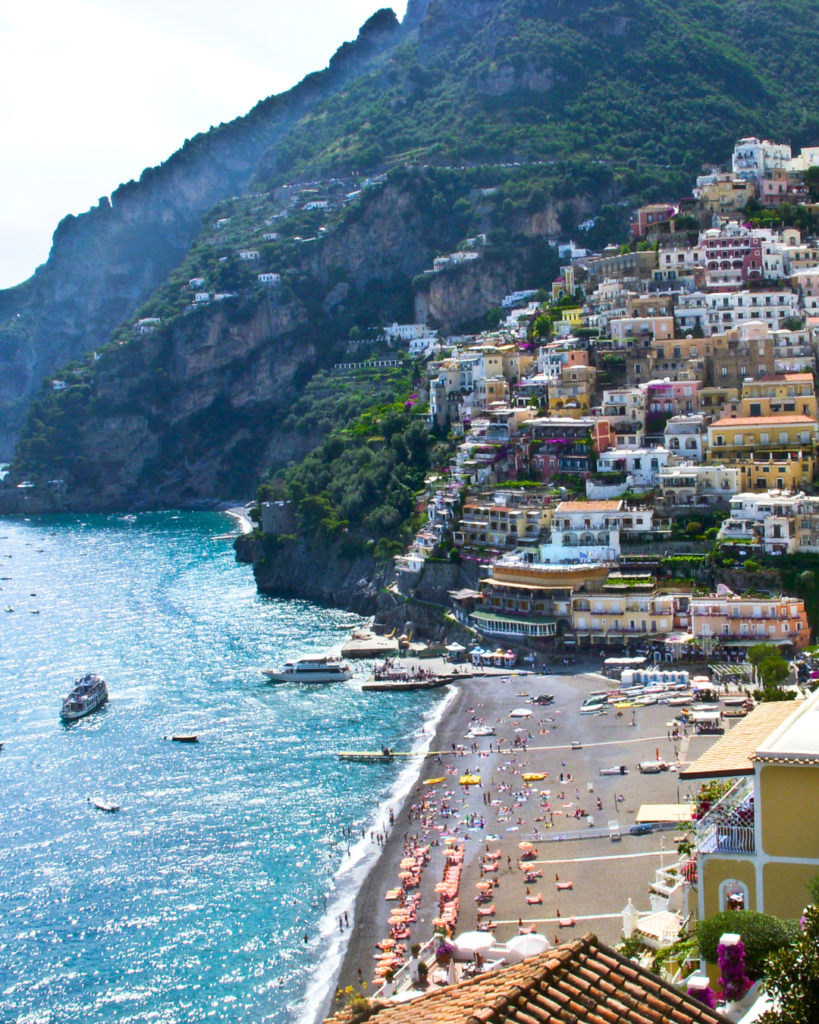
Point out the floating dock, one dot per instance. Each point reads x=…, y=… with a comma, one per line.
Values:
x=396, y=685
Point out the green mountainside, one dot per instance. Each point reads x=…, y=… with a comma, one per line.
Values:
x=514, y=119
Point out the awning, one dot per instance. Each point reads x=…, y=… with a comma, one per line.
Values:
x=665, y=813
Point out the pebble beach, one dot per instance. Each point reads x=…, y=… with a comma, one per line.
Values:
x=581, y=879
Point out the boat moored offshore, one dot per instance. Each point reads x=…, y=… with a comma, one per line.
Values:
x=315, y=669
x=89, y=693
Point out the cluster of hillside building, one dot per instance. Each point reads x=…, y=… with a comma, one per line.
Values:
x=673, y=379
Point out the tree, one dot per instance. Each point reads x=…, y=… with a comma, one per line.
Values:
x=773, y=672
x=792, y=977
x=761, y=934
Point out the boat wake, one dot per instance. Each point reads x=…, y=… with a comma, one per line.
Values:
x=351, y=874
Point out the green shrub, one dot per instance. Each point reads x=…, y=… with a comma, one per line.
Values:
x=762, y=934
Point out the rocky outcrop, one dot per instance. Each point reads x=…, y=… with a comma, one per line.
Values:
x=454, y=297
x=328, y=572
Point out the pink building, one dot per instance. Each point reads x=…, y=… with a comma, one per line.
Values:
x=674, y=397
x=649, y=217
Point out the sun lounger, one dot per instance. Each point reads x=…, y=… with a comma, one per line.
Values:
x=534, y=899
x=527, y=929
x=566, y=922
x=487, y=911
x=565, y=885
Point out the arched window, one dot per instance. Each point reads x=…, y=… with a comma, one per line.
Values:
x=733, y=895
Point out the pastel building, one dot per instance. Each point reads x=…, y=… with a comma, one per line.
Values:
x=758, y=843
x=740, y=622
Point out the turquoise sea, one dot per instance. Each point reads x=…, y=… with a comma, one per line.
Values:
x=193, y=903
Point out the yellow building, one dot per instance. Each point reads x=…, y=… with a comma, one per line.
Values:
x=770, y=472
x=571, y=395
x=746, y=437
x=626, y=607
x=485, y=524
x=726, y=194
x=782, y=393
x=533, y=600
x=516, y=364
x=758, y=843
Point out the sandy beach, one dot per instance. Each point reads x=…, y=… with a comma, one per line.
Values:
x=504, y=810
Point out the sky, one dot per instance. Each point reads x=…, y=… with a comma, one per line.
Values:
x=94, y=91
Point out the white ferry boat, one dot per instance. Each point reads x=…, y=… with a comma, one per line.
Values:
x=318, y=669
x=89, y=693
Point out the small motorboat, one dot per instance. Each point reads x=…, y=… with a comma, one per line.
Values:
x=103, y=805
x=9, y=608
x=184, y=737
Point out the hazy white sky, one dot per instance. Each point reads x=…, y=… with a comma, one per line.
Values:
x=93, y=91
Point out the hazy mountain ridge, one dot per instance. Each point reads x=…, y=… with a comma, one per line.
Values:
x=105, y=262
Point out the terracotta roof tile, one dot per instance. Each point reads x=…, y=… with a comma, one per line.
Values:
x=580, y=982
x=769, y=421
x=732, y=754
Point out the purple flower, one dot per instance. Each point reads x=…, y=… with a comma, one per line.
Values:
x=735, y=982
x=705, y=995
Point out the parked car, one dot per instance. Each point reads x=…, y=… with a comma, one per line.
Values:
x=643, y=829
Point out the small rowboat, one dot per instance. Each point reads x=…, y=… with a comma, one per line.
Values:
x=427, y=782
x=184, y=737
x=103, y=805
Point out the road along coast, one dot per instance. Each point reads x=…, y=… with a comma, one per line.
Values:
x=504, y=810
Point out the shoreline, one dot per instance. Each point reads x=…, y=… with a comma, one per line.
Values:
x=367, y=857
x=631, y=862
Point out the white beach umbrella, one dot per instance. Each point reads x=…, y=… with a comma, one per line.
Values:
x=470, y=943
x=529, y=945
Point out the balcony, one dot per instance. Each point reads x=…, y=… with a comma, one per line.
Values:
x=728, y=827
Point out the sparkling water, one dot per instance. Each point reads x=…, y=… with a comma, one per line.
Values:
x=192, y=903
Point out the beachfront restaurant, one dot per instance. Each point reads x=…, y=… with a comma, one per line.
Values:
x=496, y=624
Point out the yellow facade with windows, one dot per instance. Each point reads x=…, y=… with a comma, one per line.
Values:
x=758, y=845
x=785, y=393
x=742, y=438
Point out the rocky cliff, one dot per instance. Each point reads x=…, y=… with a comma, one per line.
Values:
x=315, y=570
x=105, y=263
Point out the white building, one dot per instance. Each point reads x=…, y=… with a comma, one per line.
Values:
x=685, y=435
x=202, y=297
x=58, y=385
x=249, y=254
x=196, y=282
x=269, y=278
x=515, y=297
x=691, y=312
x=407, y=332
x=730, y=309
x=317, y=204
x=642, y=465
x=148, y=323
x=271, y=236
x=753, y=157
x=584, y=531
x=692, y=484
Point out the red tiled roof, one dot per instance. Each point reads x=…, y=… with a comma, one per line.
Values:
x=751, y=421
x=580, y=982
x=781, y=377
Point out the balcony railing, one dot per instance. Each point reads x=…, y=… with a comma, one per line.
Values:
x=728, y=827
